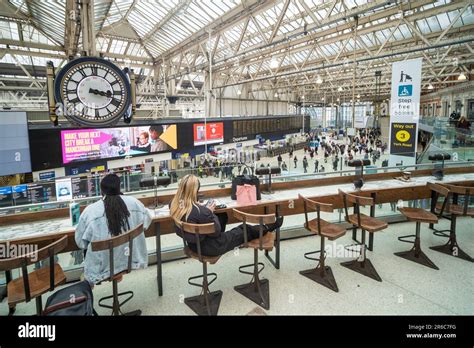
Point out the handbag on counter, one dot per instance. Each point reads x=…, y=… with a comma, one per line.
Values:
x=246, y=179
x=246, y=195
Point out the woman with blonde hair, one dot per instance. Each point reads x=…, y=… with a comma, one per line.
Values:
x=185, y=207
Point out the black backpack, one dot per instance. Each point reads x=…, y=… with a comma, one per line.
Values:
x=75, y=300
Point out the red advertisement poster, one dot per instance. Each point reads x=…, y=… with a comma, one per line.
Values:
x=215, y=133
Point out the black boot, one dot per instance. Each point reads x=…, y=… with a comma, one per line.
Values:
x=275, y=225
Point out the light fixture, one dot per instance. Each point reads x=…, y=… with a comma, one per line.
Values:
x=430, y=86
x=337, y=99
x=276, y=95
x=239, y=92
x=339, y=89
x=274, y=63
x=319, y=80
x=322, y=98
x=302, y=97
x=462, y=76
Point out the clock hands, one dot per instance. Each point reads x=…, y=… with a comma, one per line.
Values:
x=107, y=94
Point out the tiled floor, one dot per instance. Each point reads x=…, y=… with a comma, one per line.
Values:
x=407, y=288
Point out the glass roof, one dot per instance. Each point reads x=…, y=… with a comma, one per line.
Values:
x=146, y=31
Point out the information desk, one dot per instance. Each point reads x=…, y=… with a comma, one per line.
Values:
x=284, y=201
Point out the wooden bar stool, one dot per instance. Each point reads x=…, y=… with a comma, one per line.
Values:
x=370, y=224
x=38, y=282
x=207, y=303
x=109, y=244
x=419, y=215
x=322, y=274
x=456, y=209
x=258, y=290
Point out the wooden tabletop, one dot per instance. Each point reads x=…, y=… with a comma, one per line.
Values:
x=44, y=229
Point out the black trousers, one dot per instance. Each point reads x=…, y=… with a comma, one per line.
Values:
x=226, y=241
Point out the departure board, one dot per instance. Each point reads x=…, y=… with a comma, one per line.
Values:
x=80, y=187
x=38, y=193
x=93, y=183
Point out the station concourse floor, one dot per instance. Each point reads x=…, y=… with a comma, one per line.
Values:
x=407, y=287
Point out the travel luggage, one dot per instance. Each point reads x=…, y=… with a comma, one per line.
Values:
x=75, y=300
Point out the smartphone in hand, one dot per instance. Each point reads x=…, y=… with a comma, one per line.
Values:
x=209, y=202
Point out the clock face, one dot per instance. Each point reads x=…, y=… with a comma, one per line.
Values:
x=92, y=92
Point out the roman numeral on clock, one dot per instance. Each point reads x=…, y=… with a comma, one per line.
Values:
x=115, y=102
x=94, y=70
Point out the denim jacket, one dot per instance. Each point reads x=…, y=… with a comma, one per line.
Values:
x=92, y=226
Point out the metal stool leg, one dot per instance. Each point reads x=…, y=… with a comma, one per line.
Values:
x=116, y=304
x=451, y=247
x=415, y=254
x=364, y=266
x=39, y=305
x=322, y=274
x=207, y=303
x=258, y=290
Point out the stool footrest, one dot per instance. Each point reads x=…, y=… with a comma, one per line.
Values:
x=404, y=238
x=441, y=233
x=200, y=285
x=350, y=246
x=251, y=265
x=312, y=253
x=130, y=295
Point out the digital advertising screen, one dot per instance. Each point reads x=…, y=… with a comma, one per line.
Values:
x=92, y=144
x=214, y=131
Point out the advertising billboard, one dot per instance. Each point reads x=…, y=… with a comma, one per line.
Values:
x=215, y=133
x=92, y=144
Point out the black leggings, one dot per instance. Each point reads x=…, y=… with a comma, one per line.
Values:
x=226, y=241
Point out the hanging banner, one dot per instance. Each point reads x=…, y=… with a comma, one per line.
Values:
x=404, y=111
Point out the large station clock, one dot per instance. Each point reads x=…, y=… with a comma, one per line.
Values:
x=91, y=91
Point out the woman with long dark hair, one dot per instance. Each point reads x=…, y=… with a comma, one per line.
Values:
x=111, y=216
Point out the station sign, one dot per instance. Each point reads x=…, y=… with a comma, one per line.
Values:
x=404, y=111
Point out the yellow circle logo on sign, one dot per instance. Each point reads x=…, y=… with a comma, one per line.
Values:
x=402, y=136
